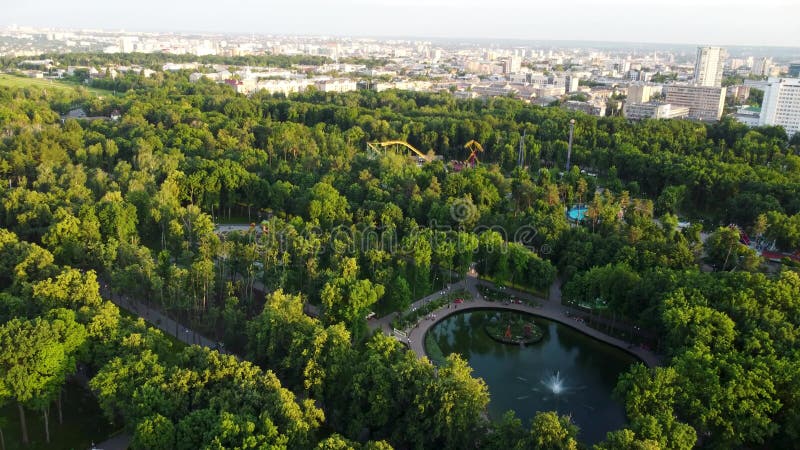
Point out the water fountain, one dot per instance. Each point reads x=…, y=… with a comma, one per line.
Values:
x=566, y=371
x=555, y=388
x=555, y=383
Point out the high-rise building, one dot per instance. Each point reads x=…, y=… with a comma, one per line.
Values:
x=762, y=67
x=571, y=83
x=781, y=105
x=708, y=66
x=704, y=103
x=512, y=64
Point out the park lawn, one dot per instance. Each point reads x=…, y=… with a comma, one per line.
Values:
x=84, y=423
x=14, y=81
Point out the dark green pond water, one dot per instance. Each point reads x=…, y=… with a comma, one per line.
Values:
x=567, y=371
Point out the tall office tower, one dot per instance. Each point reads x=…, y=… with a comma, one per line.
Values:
x=708, y=66
x=781, y=105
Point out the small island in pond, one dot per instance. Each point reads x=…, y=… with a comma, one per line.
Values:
x=513, y=328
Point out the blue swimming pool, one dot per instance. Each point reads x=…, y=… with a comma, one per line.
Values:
x=577, y=213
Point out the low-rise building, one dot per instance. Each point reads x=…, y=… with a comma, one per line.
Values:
x=641, y=92
x=794, y=70
x=336, y=85
x=285, y=87
x=748, y=115
x=549, y=90
x=592, y=109
x=465, y=94
x=739, y=93
x=654, y=110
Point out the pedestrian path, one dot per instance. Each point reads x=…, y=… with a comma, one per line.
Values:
x=157, y=319
x=120, y=441
x=549, y=309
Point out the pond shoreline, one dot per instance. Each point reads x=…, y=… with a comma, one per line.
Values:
x=417, y=334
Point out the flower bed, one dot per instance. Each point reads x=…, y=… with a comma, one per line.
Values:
x=513, y=328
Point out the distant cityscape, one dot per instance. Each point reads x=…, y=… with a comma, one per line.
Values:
x=756, y=86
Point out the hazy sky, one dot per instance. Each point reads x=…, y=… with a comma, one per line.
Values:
x=731, y=22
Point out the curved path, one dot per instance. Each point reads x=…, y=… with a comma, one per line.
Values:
x=549, y=309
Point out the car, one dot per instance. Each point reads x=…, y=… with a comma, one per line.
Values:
x=458, y=300
x=371, y=315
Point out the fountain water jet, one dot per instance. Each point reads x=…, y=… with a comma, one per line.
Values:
x=555, y=383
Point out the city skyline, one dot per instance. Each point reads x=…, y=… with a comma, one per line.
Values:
x=710, y=22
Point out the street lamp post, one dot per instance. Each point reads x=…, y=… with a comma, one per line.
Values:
x=569, y=146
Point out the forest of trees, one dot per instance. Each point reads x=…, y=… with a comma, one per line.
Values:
x=134, y=203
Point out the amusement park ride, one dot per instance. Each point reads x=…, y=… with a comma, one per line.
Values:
x=379, y=149
x=474, y=147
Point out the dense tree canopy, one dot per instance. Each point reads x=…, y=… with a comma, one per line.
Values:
x=133, y=204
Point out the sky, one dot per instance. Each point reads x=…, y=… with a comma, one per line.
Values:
x=701, y=22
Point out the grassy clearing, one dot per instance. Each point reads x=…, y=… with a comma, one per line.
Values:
x=83, y=423
x=14, y=81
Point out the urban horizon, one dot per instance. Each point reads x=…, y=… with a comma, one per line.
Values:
x=452, y=40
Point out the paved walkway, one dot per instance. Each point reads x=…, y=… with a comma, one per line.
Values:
x=164, y=323
x=157, y=318
x=550, y=309
x=385, y=323
x=119, y=442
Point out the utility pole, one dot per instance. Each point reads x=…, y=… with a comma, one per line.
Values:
x=569, y=147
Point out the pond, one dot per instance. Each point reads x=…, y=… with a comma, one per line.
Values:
x=577, y=213
x=566, y=371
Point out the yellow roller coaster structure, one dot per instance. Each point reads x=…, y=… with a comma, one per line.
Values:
x=378, y=146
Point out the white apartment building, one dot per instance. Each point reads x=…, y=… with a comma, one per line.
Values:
x=704, y=103
x=336, y=85
x=653, y=110
x=781, y=105
x=708, y=66
x=285, y=87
